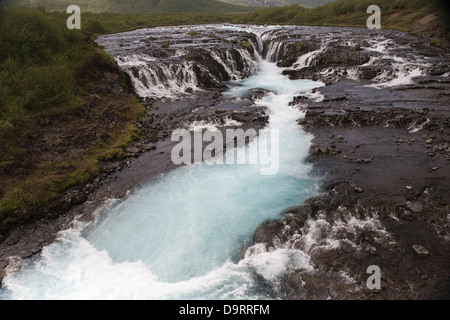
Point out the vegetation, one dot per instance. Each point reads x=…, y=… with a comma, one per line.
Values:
x=115, y=22
x=50, y=72
x=134, y=6
x=247, y=45
x=405, y=15
x=279, y=3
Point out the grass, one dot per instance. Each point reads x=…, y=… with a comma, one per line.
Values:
x=119, y=22
x=135, y=6
x=398, y=14
x=47, y=70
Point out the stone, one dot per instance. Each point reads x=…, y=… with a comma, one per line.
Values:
x=420, y=251
x=435, y=168
x=133, y=150
x=429, y=141
x=409, y=187
x=417, y=207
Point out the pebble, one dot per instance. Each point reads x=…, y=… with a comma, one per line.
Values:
x=417, y=207
x=429, y=141
x=420, y=250
x=409, y=187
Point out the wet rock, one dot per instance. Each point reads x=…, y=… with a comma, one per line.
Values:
x=340, y=56
x=12, y=240
x=297, y=100
x=150, y=147
x=420, y=251
x=267, y=231
x=358, y=190
x=417, y=207
x=255, y=94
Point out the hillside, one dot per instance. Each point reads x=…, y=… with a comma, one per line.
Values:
x=65, y=107
x=426, y=18
x=279, y=3
x=131, y=6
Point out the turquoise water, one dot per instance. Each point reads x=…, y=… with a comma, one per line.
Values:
x=179, y=237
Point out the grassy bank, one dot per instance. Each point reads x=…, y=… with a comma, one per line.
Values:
x=429, y=18
x=50, y=80
x=134, y=6
x=105, y=23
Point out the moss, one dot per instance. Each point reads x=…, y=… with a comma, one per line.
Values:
x=247, y=45
x=436, y=42
x=165, y=45
x=192, y=33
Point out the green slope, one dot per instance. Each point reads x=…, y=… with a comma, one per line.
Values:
x=279, y=3
x=197, y=6
x=131, y=6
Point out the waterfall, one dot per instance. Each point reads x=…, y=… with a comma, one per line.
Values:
x=274, y=51
x=306, y=59
x=154, y=78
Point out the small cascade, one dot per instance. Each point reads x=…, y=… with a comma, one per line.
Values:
x=274, y=51
x=161, y=79
x=156, y=78
x=305, y=60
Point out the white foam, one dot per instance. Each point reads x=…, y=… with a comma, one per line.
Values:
x=306, y=59
x=416, y=128
x=398, y=78
x=203, y=125
x=231, y=122
x=353, y=74
x=271, y=265
x=315, y=95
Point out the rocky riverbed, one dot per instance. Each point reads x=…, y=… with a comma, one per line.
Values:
x=381, y=143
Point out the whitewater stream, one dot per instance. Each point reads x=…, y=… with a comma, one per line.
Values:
x=181, y=237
